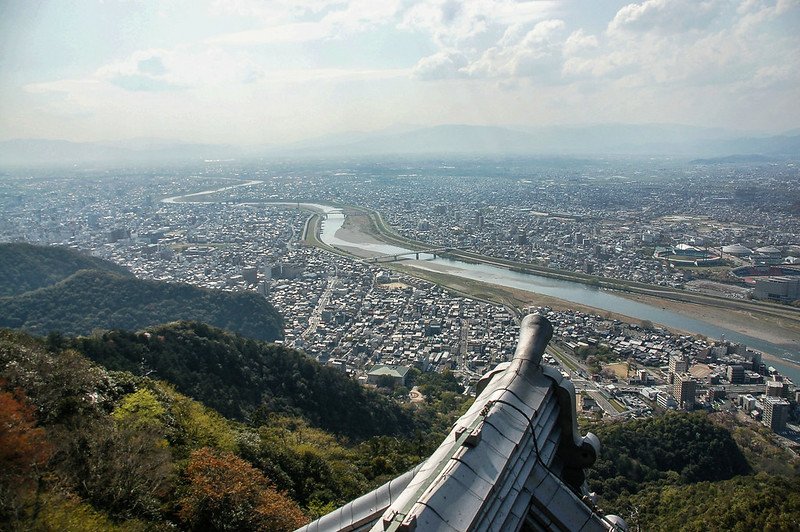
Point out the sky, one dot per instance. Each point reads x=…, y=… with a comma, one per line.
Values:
x=262, y=72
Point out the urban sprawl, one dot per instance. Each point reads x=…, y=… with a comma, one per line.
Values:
x=724, y=230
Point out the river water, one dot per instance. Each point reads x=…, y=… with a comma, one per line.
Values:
x=561, y=289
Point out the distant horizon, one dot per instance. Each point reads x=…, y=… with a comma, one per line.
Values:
x=255, y=73
x=411, y=127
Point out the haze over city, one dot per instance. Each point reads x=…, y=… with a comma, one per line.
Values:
x=255, y=73
x=399, y=265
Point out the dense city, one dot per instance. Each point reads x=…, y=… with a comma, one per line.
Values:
x=399, y=266
x=375, y=323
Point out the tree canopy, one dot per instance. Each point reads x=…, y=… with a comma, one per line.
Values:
x=247, y=379
x=95, y=299
x=25, y=267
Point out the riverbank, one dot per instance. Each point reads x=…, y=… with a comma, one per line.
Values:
x=520, y=299
x=779, y=326
x=784, y=332
x=356, y=229
x=509, y=297
x=774, y=323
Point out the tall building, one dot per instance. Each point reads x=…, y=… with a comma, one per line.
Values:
x=776, y=413
x=684, y=389
x=774, y=389
x=266, y=268
x=677, y=364
x=250, y=274
x=735, y=374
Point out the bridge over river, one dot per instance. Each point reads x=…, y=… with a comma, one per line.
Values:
x=434, y=253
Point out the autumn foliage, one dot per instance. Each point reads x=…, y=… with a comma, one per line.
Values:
x=23, y=449
x=227, y=493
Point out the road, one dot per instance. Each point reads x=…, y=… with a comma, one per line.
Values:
x=575, y=368
x=316, y=315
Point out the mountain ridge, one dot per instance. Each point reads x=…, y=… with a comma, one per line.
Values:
x=25, y=267
x=245, y=378
x=602, y=139
x=50, y=289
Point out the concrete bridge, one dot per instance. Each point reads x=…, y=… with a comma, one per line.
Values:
x=399, y=256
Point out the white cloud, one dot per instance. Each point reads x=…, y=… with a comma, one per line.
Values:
x=658, y=43
x=535, y=53
x=579, y=41
x=461, y=61
x=282, y=33
x=665, y=16
x=181, y=68
x=194, y=69
x=447, y=22
x=770, y=77
x=273, y=10
x=441, y=65
x=453, y=23
x=310, y=21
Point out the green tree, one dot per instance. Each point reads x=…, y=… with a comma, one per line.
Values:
x=125, y=470
x=140, y=410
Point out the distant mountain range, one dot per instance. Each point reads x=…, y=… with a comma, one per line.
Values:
x=614, y=139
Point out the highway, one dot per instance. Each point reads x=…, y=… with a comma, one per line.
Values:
x=576, y=369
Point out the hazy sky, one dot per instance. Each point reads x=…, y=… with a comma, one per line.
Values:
x=246, y=71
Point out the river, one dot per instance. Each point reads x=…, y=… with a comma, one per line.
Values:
x=565, y=290
x=561, y=289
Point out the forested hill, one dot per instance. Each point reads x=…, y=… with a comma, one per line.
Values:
x=25, y=267
x=244, y=378
x=82, y=448
x=695, y=472
x=85, y=448
x=97, y=299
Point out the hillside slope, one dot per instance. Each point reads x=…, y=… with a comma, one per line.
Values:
x=242, y=378
x=91, y=449
x=25, y=267
x=96, y=299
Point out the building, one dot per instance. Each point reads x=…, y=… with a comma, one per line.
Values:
x=714, y=393
x=683, y=389
x=747, y=402
x=784, y=288
x=586, y=403
x=666, y=401
x=287, y=271
x=685, y=254
x=737, y=250
x=767, y=255
x=515, y=460
x=753, y=377
x=381, y=372
x=250, y=274
x=775, y=389
x=776, y=413
x=677, y=364
x=735, y=374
